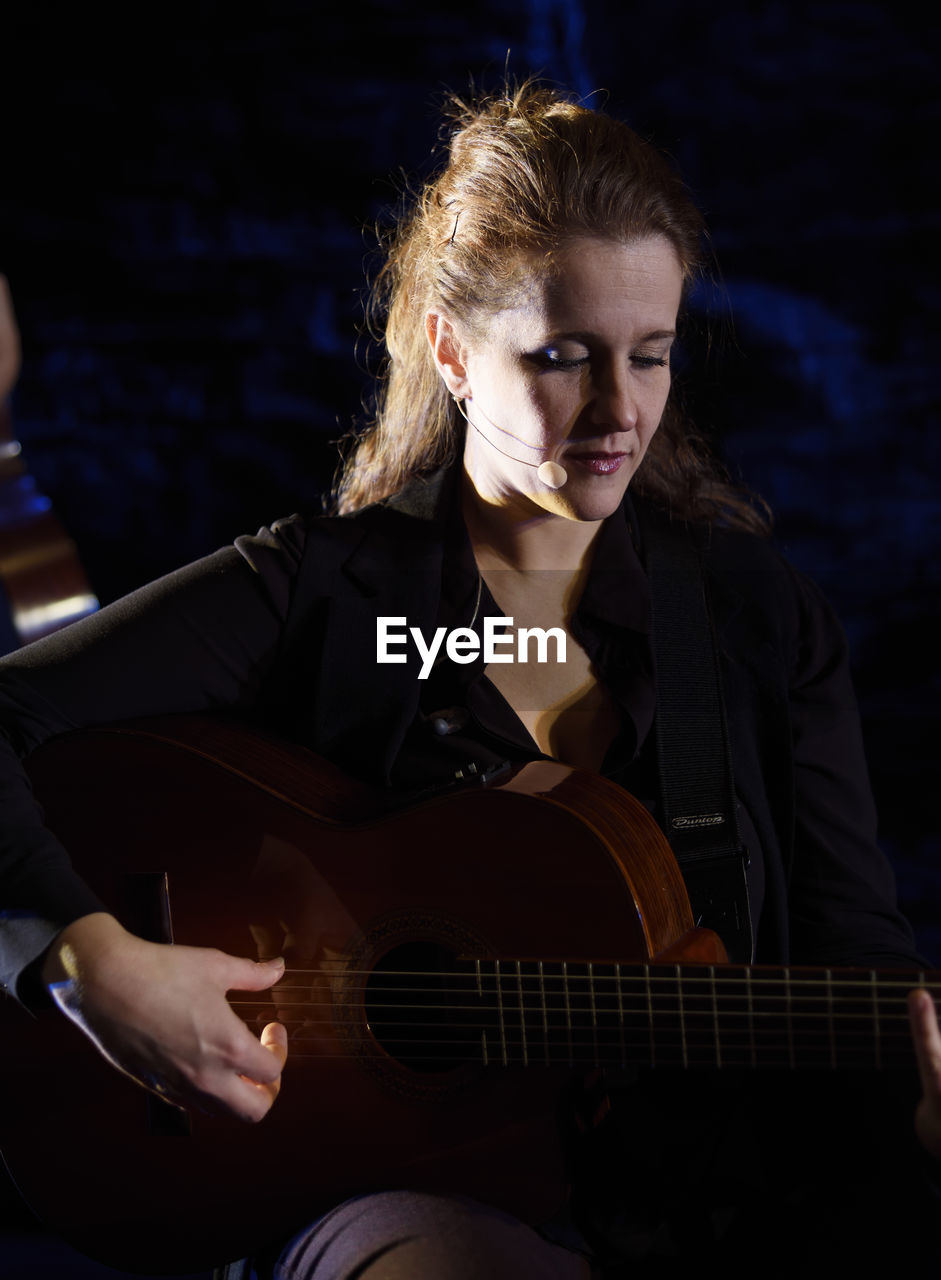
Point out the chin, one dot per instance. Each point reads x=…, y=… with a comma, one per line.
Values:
x=587, y=508
x=593, y=501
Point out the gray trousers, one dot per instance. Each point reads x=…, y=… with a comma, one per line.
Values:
x=406, y=1235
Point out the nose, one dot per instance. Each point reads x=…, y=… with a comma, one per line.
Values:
x=615, y=404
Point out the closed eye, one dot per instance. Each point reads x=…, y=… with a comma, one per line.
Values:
x=550, y=359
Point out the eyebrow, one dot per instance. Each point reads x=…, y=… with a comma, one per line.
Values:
x=585, y=337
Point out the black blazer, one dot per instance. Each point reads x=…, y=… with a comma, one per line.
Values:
x=281, y=626
x=796, y=744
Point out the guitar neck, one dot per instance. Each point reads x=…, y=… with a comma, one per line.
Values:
x=532, y=1013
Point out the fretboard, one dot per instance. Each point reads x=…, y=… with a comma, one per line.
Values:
x=532, y=1013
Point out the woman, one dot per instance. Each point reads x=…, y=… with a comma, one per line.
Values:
x=533, y=298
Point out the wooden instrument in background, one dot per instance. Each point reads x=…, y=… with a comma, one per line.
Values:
x=41, y=577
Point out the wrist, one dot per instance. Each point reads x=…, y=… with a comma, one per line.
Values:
x=79, y=945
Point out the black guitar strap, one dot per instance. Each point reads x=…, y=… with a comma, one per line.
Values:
x=692, y=739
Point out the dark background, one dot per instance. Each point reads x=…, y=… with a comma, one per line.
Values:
x=186, y=200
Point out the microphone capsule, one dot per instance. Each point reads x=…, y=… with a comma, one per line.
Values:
x=552, y=474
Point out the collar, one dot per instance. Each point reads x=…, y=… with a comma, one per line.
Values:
x=616, y=591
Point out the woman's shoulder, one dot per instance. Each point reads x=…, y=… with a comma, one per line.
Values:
x=294, y=536
x=753, y=578
x=733, y=558
x=374, y=539
x=750, y=563
x=757, y=595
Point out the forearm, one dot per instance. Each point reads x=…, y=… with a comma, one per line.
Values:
x=199, y=639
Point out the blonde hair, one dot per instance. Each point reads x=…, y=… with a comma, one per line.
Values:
x=526, y=170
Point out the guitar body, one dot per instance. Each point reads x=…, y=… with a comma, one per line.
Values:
x=242, y=843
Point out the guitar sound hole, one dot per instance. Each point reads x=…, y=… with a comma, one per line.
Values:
x=423, y=1009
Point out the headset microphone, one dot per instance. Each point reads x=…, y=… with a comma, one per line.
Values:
x=552, y=474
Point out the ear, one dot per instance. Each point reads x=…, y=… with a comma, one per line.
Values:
x=450, y=353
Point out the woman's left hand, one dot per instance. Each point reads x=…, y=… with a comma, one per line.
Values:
x=927, y=1037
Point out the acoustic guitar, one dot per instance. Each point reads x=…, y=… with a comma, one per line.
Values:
x=448, y=966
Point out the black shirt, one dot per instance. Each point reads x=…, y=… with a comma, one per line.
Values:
x=465, y=727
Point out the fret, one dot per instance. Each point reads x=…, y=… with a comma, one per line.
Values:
x=876, y=1046
x=715, y=1015
x=545, y=1013
x=667, y=1029
x=559, y=1040
x=499, y=987
x=568, y=1011
x=650, y=1031
x=594, y=1011
x=483, y=1030
x=519, y=991
x=619, y=1041
x=791, y=1012
x=697, y=1013
x=632, y=1007
x=693, y=1016
x=856, y=1029
x=826, y=1018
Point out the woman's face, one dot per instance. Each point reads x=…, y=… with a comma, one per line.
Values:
x=578, y=374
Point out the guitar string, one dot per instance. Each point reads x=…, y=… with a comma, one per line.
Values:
x=561, y=1063
x=639, y=1011
x=538, y=1007
x=466, y=998
x=801, y=1024
x=814, y=1043
x=705, y=1044
x=657, y=973
x=457, y=998
x=805, y=1037
x=796, y=996
x=808, y=1025
x=846, y=994
x=664, y=1059
x=588, y=1050
x=806, y=1054
x=395, y=1032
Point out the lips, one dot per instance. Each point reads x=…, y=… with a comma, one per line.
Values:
x=598, y=462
